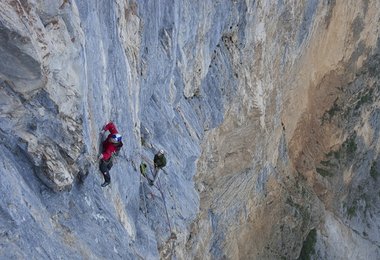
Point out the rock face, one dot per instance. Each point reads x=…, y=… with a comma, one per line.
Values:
x=268, y=113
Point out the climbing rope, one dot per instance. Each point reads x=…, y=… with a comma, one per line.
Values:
x=143, y=190
x=173, y=236
x=158, y=186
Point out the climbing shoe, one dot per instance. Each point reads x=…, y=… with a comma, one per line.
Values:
x=105, y=184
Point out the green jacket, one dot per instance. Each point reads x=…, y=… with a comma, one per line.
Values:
x=159, y=160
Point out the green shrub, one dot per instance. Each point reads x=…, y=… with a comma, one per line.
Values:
x=367, y=98
x=351, y=211
x=308, y=247
x=324, y=172
x=351, y=145
x=335, y=154
x=373, y=172
x=142, y=141
x=328, y=115
x=326, y=163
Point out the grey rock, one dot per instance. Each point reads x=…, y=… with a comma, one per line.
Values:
x=267, y=113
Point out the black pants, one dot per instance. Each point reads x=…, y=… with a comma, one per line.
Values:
x=105, y=167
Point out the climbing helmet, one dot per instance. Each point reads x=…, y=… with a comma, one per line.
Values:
x=115, y=138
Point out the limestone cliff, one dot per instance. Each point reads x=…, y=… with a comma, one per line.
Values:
x=268, y=112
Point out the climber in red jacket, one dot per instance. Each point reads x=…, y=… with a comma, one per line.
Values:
x=111, y=147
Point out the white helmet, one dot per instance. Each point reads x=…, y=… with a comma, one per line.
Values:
x=161, y=151
x=116, y=138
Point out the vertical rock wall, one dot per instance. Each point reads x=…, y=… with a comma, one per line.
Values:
x=296, y=151
x=267, y=112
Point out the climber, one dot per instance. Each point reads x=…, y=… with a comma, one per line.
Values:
x=159, y=163
x=111, y=147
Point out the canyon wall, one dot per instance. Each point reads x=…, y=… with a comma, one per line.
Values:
x=267, y=111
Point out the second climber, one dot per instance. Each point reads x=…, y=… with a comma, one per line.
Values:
x=159, y=162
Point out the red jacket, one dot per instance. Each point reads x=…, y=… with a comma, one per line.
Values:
x=111, y=128
x=110, y=148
